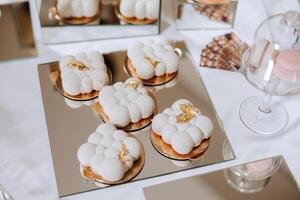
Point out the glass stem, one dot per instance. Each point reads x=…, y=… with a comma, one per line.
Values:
x=265, y=106
x=270, y=88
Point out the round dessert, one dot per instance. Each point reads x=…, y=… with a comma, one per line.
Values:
x=77, y=11
x=111, y=156
x=81, y=78
x=181, y=132
x=138, y=11
x=153, y=62
x=287, y=65
x=127, y=105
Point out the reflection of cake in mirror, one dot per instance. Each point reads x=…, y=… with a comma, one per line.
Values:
x=181, y=131
x=78, y=11
x=139, y=11
x=127, y=105
x=224, y=52
x=77, y=104
x=111, y=156
x=83, y=74
x=154, y=61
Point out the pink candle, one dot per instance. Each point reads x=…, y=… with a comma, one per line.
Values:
x=259, y=166
x=287, y=65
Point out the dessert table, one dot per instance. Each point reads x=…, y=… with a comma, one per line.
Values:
x=26, y=169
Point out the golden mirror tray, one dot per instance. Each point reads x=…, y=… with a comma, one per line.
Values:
x=130, y=174
x=167, y=151
x=57, y=82
x=69, y=127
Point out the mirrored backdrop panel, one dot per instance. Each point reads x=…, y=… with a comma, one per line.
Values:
x=106, y=23
x=70, y=123
x=17, y=38
x=193, y=14
x=215, y=186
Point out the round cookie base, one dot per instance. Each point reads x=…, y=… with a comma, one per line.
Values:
x=132, y=20
x=143, y=123
x=155, y=81
x=57, y=82
x=129, y=175
x=167, y=151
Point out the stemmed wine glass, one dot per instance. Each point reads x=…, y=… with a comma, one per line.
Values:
x=4, y=195
x=272, y=65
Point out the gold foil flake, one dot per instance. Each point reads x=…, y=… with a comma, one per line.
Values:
x=78, y=65
x=124, y=152
x=154, y=63
x=189, y=112
x=132, y=84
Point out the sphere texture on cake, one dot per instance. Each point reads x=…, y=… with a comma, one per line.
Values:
x=126, y=102
x=77, y=8
x=153, y=57
x=140, y=9
x=83, y=73
x=109, y=152
x=182, y=126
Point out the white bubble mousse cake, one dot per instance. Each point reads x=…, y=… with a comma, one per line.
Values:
x=153, y=58
x=77, y=8
x=83, y=73
x=140, y=9
x=109, y=154
x=126, y=102
x=182, y=127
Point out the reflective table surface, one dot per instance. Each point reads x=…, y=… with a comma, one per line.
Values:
x=214, y=186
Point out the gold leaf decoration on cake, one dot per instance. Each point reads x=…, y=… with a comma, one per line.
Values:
x=189, y=112
x=75, y=64
x=154, y=63
x=132, y=84
x=124, y=152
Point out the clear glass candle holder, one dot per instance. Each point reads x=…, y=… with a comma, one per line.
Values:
x=252, y=177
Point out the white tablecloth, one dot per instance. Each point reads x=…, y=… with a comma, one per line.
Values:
x=26, y=169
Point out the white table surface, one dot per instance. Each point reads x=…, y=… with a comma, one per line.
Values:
x=26, y=169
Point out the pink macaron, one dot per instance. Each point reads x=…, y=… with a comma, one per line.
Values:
x=287, y=65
